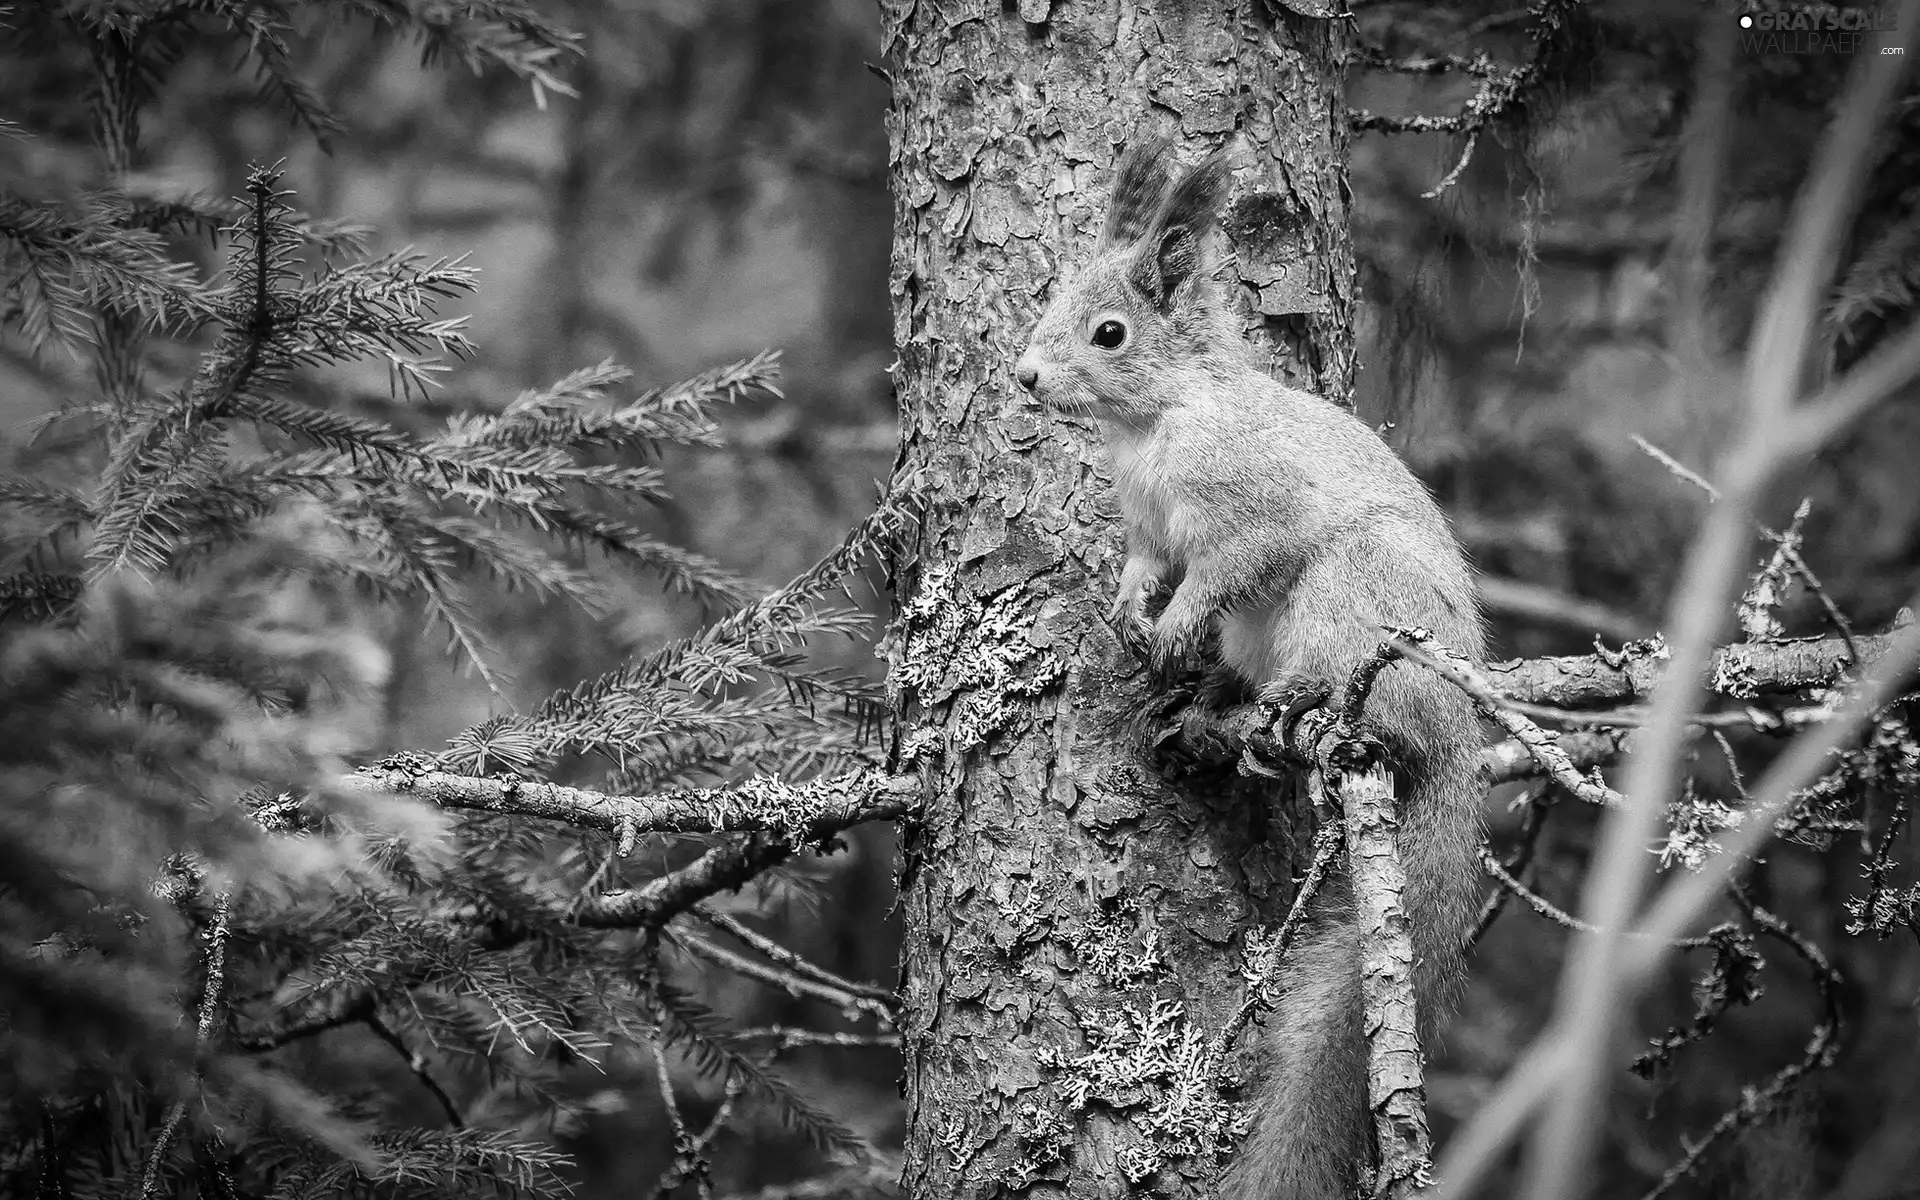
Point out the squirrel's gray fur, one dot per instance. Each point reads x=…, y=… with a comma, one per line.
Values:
x=1285, y=522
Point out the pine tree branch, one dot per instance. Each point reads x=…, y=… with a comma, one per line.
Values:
x=817, y=809
x=800, y=812
x=261, y=1038
x=721, y=869
x=211, y=997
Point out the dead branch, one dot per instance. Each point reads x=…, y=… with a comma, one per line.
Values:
x=792, y=982
x=794, y=962
x=1396, y=1081
x=1742, y=670
x=1419, y=646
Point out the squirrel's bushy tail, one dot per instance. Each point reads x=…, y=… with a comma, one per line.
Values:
x=1311, y=1128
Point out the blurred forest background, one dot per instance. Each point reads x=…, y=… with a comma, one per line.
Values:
x=718, y=186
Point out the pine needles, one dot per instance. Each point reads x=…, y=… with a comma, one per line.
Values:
x=189, y=577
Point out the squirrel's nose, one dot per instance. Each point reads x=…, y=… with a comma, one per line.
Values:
x=1026, y=373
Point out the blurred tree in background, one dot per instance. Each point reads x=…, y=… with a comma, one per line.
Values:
x=216, y=595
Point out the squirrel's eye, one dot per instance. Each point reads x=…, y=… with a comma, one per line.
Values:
x=1109, y=334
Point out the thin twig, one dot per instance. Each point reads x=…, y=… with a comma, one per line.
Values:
x=1533, y=819
x=683, y=1148
x=1835, y=617
x=1420, y=647
x=651, y=905
x=1261, y=974
x=1787, y=548
x=789, y=981
x=1556, y=914
x=787, y=958
x=692, y=1160
x=417, y=1063
x=790, y=1038
x=216, y=939
x=1757, y=719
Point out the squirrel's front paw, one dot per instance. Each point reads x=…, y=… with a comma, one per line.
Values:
x=1130, y=620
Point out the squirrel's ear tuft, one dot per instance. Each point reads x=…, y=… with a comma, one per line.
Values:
x=1195, y=200
x=1139, y=183
x=1171, y=257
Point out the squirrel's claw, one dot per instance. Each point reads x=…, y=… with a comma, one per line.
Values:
x=1130, y=623
x=1296, y=698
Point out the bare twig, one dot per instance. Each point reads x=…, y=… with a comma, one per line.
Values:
x=1509, y=761
x=1263, y=965
x=692, y=1160
x=787, y=958
x=1533, y=819
x=789, y=981
x=1679, y=470
x=789, y=1038
x=1787, y=547
x=1835, y=617
x=686, y=1157
x=658, y=901
x=1757, y=719
x=272, y=1037
x=1552, y=912
x=1420, y=647
x=417, y=1063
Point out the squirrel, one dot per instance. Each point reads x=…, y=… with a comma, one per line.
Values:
x=1284, y=525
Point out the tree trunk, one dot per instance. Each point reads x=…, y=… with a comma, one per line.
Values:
x=1074, y=916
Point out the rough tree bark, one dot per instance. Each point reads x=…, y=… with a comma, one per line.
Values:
x=1075, y=918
